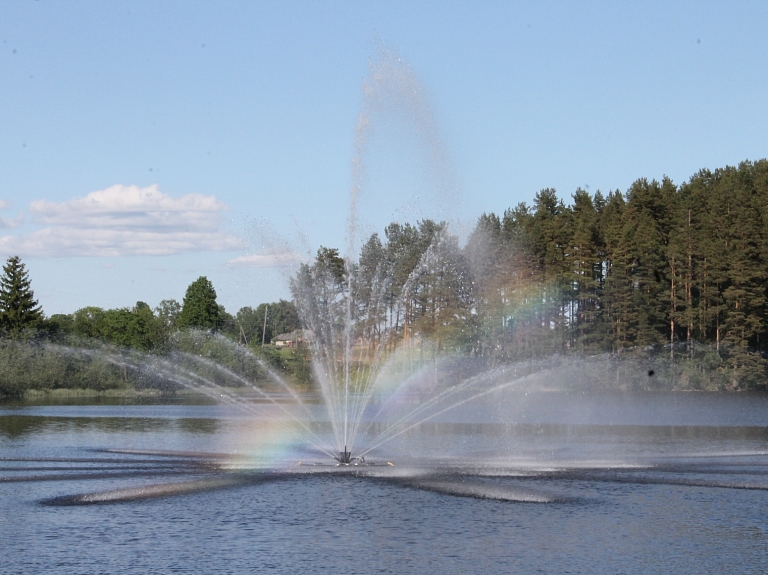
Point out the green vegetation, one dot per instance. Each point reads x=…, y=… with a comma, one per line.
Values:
x=200, y=309
x=92, y=348
x=675, y=275
x=664, y=275
x=19, y=311
x=28, y=365
x=681, y=270
x=250, y=324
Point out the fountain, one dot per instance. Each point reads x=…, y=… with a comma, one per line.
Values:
x=385, y=375
x=357, y=312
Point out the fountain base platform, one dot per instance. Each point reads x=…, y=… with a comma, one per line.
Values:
x=345, y=458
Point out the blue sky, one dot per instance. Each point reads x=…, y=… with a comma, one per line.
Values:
x=143, y=144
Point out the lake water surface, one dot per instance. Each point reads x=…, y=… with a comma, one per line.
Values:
x=547, y=483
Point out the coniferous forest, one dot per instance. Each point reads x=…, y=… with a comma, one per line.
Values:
x=683, y=267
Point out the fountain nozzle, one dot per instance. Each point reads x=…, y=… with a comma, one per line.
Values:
x=345, y=457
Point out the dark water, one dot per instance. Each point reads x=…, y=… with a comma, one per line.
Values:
x=659, y=483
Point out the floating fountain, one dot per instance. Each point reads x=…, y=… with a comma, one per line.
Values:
x=380, y=378
x=357, y=314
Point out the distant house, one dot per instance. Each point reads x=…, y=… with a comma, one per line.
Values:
x=296, y=338
x=282, y=340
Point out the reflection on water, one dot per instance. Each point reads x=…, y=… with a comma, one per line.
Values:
x=595, y=484
x=52, y=399
x=14, y=426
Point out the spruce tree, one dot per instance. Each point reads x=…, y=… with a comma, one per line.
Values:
x=18, y=308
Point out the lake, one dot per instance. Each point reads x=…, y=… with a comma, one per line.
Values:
x=524, y=483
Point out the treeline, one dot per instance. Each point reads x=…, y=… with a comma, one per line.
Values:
x=91, y=347
x=682, y=267
x=142, y=328
x=674, y=274
x=677, y=273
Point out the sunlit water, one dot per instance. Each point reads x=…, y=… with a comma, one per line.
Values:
x=551, y=483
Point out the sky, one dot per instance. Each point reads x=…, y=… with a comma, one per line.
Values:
x=144, y=144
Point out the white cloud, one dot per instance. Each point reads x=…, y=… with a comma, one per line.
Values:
x=276, y=260
x=122, y=221
x=10, y=223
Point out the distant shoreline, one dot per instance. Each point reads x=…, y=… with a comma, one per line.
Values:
x=190, y=397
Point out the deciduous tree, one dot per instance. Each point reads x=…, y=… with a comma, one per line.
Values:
x=200, y=309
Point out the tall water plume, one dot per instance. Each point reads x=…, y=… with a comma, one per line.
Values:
x=393, y=95
x=353, y=309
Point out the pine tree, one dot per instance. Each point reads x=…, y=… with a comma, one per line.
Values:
x=525, y=318
x=552, y=231
x=586, y=266
x=442, y=295
x=18, y=308
x=744, y=291
x=488, y=257
x=617, y=300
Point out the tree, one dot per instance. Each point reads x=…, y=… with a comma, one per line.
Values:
x=406, y=246
x=167, y=312
x=249, y=325
x=226, y=321
x=585, y=256
x=319, y=291
x=200, y=309
x=18, y=308
x=142, y=329
x=441, y=296
x=88, y=321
